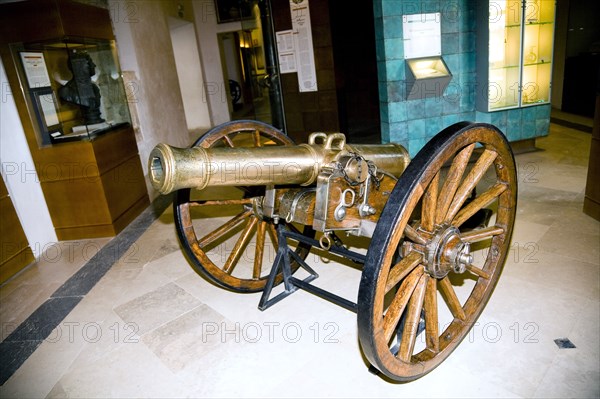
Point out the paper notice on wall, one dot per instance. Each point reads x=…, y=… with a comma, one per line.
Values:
x=305, y=57
x=35, y=69
x=422, y=35
x=287, y=51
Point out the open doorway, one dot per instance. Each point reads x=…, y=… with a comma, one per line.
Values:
x=250, y=67
x=355, y=60
x=244, y=70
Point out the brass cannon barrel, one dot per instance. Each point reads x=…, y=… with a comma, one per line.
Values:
x=173, y=168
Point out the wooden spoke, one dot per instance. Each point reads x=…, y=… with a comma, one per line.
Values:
x=432, y=334
x=243, y=201
x=469, y=183
x=457, y=169
x=481, y=234
x=409, y=335
x=396, y=308
x=451, y=299
x=240, y=244
x=402, y=268
x=224, y=229
x=481, y=201
x=477, y=271
x=259, y=251
x=414, y=235
x=273, y=236
x=228, y=141
x=256, y=137
x=429, y=204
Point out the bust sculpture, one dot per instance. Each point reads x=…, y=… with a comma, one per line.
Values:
x=80, y=89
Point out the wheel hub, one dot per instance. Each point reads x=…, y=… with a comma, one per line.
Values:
x=447, y=252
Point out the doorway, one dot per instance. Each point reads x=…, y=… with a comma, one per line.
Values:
x=355, y=60
x=581, y=57
x=347, y=99
x=250, y=68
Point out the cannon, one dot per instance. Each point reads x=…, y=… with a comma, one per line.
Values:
x=437, y=227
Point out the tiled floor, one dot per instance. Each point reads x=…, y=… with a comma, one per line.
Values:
x=572, y=120
x=151, y=327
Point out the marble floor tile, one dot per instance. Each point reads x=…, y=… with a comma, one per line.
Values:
x=99, y=338
x=519, y=326
x=128, y=284
x=129, y=371
x=576, y=245
x=527, y=232
x=575, y=372
x=157, y=307
x=173, y=266
x=554, y=270
x=188, y=338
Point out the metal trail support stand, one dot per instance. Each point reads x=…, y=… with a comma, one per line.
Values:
x=292, y=284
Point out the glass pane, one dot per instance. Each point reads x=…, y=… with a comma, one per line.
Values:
x=537, y=51
x=504, y=53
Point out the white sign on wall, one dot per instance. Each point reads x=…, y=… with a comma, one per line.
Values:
x=422, y=35
x=305, y=57
x=286, y=50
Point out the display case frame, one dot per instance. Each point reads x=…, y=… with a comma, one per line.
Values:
x=515, y=53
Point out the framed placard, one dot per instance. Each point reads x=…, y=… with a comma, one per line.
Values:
x=46, y=112
x=35, y=69
x=422, y=35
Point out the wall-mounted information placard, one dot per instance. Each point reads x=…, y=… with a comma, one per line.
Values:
x=286, y=49
x=422, y=35
x=305, y=57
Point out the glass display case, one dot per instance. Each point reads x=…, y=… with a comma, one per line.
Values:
x=515, y=49
x=73, y=88
x=63, y=72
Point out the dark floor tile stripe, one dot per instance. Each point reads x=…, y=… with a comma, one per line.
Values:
x=30, y=334
x=572, y=125
x=13, y=355
x=40, y=324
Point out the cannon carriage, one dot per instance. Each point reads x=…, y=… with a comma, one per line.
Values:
x=439, y=221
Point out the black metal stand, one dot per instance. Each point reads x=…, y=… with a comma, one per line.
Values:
x=282, y=264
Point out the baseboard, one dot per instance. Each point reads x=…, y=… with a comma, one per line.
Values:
x=523, y=146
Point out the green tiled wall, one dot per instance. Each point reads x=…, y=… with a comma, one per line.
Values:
x=412, y=123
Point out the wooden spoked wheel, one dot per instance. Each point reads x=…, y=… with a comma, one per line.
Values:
x=221, y=230
x=427, y=276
